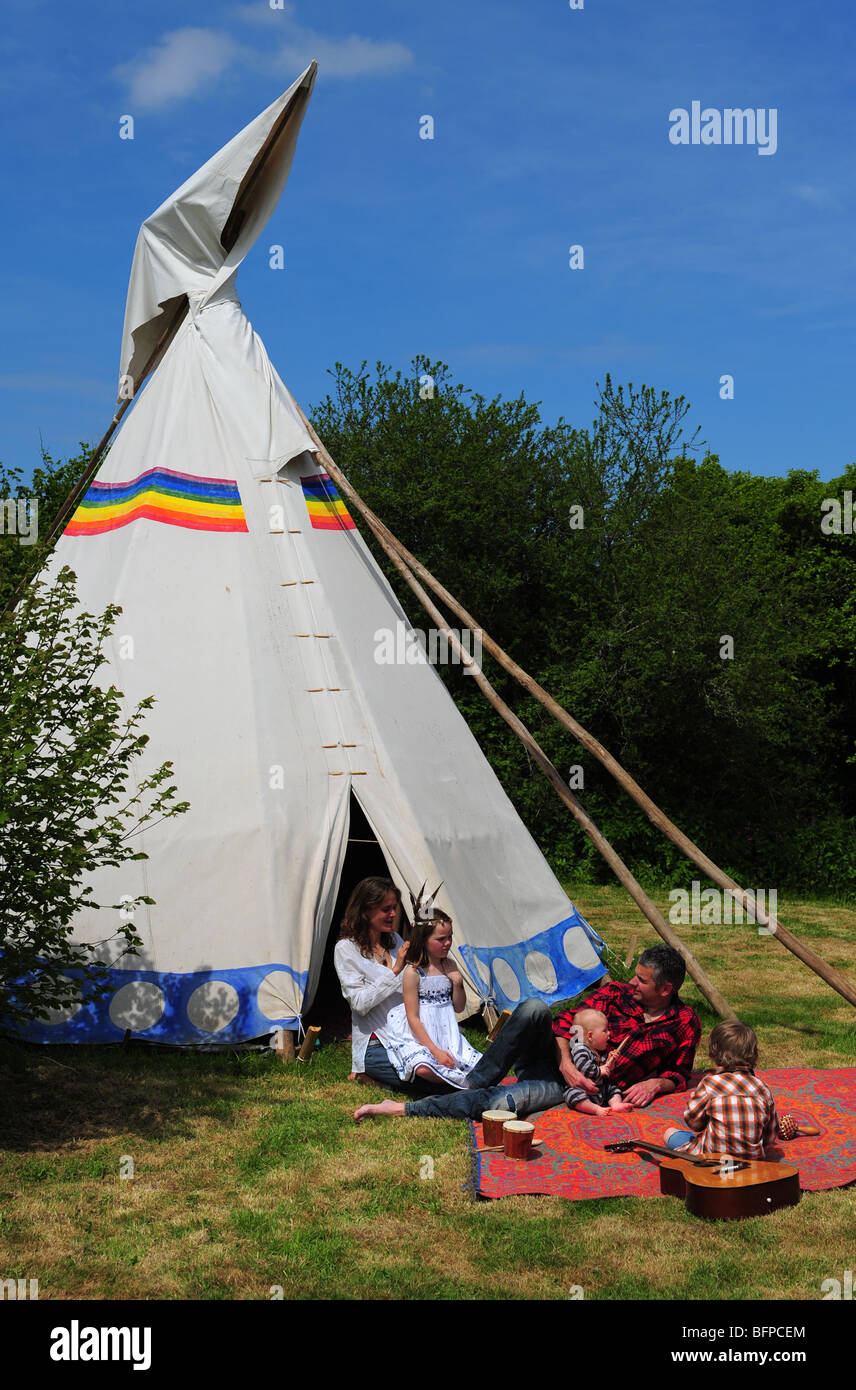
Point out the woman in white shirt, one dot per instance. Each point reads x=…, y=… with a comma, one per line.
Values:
x=370, y=958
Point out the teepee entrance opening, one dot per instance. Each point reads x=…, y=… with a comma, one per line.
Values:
x=364, y=858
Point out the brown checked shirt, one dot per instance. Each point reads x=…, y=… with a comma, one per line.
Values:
x=738, y=1113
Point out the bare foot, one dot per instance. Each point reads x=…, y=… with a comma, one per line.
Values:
x=383, y=1107
x=620, y=1105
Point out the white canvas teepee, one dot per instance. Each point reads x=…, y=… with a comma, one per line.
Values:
x=251, y=610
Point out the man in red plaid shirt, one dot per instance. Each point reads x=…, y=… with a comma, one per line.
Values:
x=657, y=1033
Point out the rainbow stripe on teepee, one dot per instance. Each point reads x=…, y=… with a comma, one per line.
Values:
x=160, y=494
x=327, y=511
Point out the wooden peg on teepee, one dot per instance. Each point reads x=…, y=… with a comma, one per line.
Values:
x=308, y=1044
x=500, y=1023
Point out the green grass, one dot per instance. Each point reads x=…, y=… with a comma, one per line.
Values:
x=249, y=1176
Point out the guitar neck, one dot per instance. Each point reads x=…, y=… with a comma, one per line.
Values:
x=698, y=1159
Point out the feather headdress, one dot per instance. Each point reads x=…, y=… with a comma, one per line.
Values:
x=423, y=907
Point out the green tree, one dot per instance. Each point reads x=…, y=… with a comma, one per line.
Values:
x=624, y=619
x=71, y=799
x=52, y=482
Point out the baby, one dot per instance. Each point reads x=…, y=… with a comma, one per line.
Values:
x=587, y=1053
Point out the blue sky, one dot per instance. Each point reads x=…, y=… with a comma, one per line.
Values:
x=551, y=129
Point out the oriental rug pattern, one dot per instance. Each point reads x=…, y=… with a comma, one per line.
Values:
x=572, y=1163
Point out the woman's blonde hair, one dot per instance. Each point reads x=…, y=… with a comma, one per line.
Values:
x=733, y=1046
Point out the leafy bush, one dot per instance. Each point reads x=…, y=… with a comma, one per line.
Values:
x=70, y=799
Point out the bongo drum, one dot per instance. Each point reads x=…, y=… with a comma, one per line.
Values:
x=517, y=1138
x=492, y=1122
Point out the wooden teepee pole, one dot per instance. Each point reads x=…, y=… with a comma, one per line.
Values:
x=619, y=868
x=803, y=952
x=832, y=977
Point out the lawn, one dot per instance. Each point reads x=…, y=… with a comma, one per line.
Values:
x=249, y=1177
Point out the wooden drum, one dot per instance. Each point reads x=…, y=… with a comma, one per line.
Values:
x=492, y=1122
x=517, y=1138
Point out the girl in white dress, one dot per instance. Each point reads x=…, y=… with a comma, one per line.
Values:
x=429, y=1043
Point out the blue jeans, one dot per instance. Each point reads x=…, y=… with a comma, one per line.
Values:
x=378, y=1066
x=526, y=1046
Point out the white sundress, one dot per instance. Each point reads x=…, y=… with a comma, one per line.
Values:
x=437, y=1016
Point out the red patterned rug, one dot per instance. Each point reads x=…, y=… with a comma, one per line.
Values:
x=572, y=1163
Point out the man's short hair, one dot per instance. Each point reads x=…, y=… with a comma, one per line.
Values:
x=666, y=965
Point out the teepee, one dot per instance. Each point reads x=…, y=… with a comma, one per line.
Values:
x=255, y=614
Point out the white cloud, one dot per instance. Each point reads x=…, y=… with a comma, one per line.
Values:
x=182, y=62
x=263, y=14
x=812, y=193
x=350, y=57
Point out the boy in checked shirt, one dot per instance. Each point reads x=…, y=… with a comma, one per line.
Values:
x=731, y=1111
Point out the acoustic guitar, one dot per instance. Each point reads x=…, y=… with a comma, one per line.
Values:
x=719, y=1187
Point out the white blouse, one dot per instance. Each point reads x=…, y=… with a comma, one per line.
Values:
x=371, y=989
